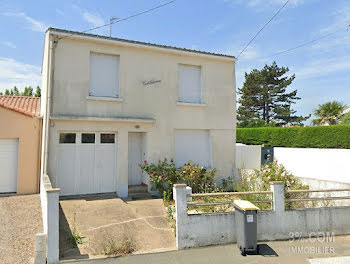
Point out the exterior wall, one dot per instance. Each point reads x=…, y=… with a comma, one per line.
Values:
x=320, y=164
x=157, y=101
x=277, y=224
x=27, y=130
x=248, y=156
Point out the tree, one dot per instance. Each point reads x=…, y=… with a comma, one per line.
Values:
x=28, y=91
x=15, y=91
x=37, y=92
x=1, y=93
x=328, y=113
x=345, y=119
x=7, y=92
x=264, y=97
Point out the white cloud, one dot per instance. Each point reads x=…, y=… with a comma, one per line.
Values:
x=15, y=73
x=324, y=67
x=33, y=24
x=94, y=19
x=251, y=53
x=265, y=3
x=8, y=44
x=216, y=28
x=59, y=12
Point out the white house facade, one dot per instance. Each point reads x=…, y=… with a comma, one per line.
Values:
x=109, y=104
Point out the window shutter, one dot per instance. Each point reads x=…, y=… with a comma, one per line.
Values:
x=190, y=84
x=104, y=75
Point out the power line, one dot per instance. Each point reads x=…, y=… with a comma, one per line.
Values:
x=123, y=19
x=305, y=43
x=268, y=22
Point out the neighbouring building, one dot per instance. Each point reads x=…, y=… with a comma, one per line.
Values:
x=20, y=138
x=110, y=103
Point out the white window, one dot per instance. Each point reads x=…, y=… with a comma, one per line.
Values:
x=104, y=75
x=192, y=145
x=190, y=84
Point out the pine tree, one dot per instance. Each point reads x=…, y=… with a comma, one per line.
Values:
x=37, y=92
x=15, y=91
x=264, y=97
x=7, y=92
x=28, y=91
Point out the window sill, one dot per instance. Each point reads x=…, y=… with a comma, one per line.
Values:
x=107, y=99
x=191, y=104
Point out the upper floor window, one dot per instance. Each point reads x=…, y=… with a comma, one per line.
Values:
x=104, y=75
x=190, y=84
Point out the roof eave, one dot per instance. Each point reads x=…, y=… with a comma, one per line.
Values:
x=138, y=44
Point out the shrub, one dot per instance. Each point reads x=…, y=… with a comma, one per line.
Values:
x=164, y=175
x=336, y=136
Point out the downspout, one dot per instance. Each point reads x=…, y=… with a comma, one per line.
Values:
x=50, y=62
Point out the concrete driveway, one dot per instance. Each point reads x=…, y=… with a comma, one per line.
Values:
x=102, y=219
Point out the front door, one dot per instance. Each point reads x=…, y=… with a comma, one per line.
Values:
x=135, y=158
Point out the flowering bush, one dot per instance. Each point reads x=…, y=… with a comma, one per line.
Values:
x=164, y=175
x=276, y=172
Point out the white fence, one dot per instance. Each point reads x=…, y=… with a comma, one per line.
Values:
x=248, y=156
x=50, y=213
x=219, y=228
x=326, y=168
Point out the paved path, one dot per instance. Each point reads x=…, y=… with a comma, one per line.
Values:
x=272, y=252
x=20, y=220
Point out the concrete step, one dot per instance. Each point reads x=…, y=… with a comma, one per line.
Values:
x=138, y=188
x=140, y=195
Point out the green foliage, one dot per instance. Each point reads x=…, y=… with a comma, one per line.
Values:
x=125, y=247
x=75, y=239
x=302, y=137
x=164, y=175
x=328, y=113
x=264, y=97
x=28, y=91
x=37, y=92
x=345, y=119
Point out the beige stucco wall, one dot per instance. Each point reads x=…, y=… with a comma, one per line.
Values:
x=28, y=131
x=157, y=101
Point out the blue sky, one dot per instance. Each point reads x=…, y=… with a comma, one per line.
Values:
x=225, y=26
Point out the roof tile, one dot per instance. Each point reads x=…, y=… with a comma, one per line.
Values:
x=26, y=105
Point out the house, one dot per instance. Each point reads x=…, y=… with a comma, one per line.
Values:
x=20, y=138
x=109, y=104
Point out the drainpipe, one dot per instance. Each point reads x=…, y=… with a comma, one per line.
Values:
x=50, y=61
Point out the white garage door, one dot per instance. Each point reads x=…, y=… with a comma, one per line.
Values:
x=87, y=163
x=8, y=165
x=192, y=145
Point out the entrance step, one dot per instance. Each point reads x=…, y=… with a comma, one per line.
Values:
x=138, y=192
x=140, y=195
x=143, y=188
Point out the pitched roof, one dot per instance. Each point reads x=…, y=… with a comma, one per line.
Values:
x=26, y=105
x=72, y=33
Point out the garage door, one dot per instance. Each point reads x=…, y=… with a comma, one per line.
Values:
x=192, y=145
x=8, y=165
x=87, y=163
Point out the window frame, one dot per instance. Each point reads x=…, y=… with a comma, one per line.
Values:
x=72, y=143
x=102, y=97
x=201, y=102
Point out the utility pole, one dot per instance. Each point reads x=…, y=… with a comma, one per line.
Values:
x=111, y=20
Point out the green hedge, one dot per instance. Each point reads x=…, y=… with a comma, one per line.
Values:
x=302, y=137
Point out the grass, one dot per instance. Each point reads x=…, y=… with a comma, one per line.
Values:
x=170, y=217
x=75, y=239
x=125, y=247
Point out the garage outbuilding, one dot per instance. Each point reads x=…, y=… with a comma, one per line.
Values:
x=20, y=137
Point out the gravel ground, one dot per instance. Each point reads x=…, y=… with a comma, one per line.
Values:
x=20, y=220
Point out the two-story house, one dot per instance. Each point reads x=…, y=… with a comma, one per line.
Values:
x=110, y=103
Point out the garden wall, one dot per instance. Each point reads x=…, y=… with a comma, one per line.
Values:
x=219, y=228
